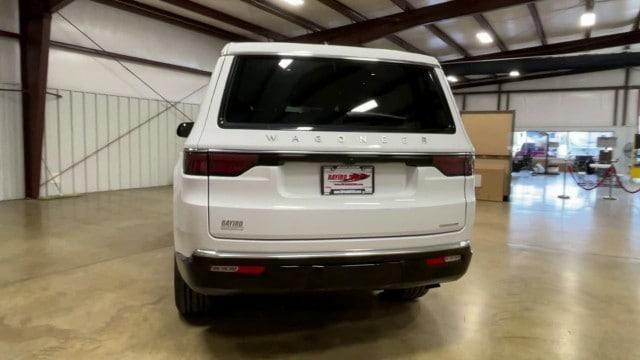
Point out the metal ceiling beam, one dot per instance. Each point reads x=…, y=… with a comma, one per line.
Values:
x=588, y=5
x=284, y=14
x=225, y=18
x=113, y=55
x=9, y=34
x=55, y=5
x=434, y=29
x=172, y=18
x=357, y=17
x=439, y=33
x=566, y=47
x=344, y=10
x=543, y=63
x=537, y=21
x=545, y=75
x=486, y=26
x=133, y=59
x=373, y=29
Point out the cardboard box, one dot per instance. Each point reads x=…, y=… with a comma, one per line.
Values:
x=495, y=179
x=491, y=133
x=492, y=187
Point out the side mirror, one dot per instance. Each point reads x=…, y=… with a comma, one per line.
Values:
x=184, y=129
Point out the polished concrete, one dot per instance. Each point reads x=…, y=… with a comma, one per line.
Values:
x=91, y=277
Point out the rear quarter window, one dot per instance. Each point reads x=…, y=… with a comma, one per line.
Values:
x=282, y=93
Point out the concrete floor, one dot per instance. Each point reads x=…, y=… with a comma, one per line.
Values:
x=91, y=277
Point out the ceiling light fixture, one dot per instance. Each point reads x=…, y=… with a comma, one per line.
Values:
x=284, y=63
x=514, y=73
x=484, y=37
x=588, y=19
x=452, y=79
x=371, y=104
x=295, y=2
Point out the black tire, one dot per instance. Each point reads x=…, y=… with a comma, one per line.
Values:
x=188, y=302
x=408, y=294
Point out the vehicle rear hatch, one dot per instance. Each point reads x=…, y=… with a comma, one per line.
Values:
x=319, y=148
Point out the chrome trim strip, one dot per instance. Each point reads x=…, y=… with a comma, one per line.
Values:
x=242, y=255
x=328, y=152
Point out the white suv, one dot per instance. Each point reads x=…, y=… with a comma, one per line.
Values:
x=316, y=167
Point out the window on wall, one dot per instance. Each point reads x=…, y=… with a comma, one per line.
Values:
x=562, y=144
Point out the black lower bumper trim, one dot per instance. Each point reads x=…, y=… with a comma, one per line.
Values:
x=375, y=272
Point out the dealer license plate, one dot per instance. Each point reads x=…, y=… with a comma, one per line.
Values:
x=347, y=180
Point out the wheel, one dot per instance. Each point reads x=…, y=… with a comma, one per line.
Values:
x=404, y=294
x=188, y=301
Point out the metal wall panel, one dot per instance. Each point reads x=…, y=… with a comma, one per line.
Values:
x=484, y=102
x=101, y=142
x=589, y=109
x=11, y=153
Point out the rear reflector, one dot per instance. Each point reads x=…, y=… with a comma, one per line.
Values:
x=441, y=260
x=454, y=165
x=239, y=269
x=218, y=164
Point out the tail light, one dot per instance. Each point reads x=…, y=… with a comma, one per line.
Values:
x=217, y=164
x=202, y=163
x=221, y=164
x=454, y=165
x=442, y=260
x=239, y=269
x=196, y=163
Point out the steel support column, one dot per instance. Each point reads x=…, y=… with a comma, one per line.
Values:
x=35, y=29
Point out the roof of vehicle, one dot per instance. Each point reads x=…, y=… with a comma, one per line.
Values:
x=330, y=51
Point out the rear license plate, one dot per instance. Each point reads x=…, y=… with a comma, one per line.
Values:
x=347, y=180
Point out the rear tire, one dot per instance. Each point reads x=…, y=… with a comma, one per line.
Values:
x=188, y=302
x=408, y=294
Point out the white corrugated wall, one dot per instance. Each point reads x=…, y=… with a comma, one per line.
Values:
x=96, y=137
x=11, y=152
x=100, y=142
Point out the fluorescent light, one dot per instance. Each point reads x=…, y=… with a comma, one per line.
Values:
x=452, y=78
x=295, y=2
x=371, y=104
x=514, y=73
x=484, y=37
x=284, y=63
x=304, y=128
x=588, y=19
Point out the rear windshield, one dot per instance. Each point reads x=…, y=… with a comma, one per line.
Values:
x=280, y=93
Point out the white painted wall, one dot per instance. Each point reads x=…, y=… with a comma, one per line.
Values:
x=563, y=109
x=570, y=110
x=123, y=32
x=100, y=100
x=110, y=131
x=11, y=153
x=97, y=142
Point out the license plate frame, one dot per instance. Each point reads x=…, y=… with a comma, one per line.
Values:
x=346, y=181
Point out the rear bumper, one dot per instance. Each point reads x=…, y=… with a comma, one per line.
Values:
x=283, y=274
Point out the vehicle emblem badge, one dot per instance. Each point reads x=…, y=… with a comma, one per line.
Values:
x=233, y=225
